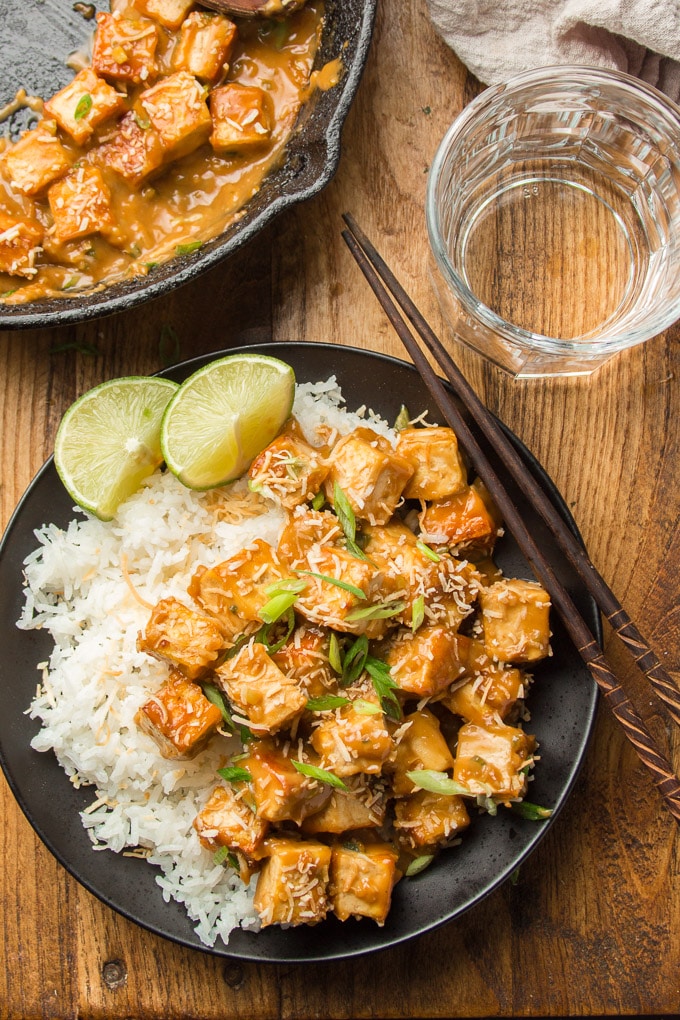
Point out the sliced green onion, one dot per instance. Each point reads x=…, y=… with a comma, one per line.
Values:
x=352, y=845
x=186, y=249
x=294, y=584
x=273, y=610
x=533, y=812
x=83, y=108
x=334, y=653
x=235, y=774
x=220, y=856
x=378, y=611
x=384, y=686
x=351, y=588
x=262, y=636
x=426, y=551
x=419, y=864
x=344, y=512
x=363, y=707
x=402, y=420
x=354, y=661
x=318, y=501
x=437, y=782
x=326, y=703
x=215, y=697
x=487, y=802
x=323, y=775
x=417, y=612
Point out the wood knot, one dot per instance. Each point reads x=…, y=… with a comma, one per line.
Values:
x=233, y=975
x=114, y=974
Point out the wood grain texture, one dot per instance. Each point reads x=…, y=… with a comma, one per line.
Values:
x=591, y=926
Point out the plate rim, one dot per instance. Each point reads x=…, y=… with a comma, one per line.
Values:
x=278, y=349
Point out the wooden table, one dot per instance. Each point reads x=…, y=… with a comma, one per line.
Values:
x=592, y=925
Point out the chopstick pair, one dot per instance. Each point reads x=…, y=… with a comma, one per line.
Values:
x=387, y=288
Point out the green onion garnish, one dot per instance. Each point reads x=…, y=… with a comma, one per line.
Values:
x=323, y=775
x=533, y=812
x=417, y=612
x=354, y=661
x=326, y=703
x=402, y=420
x=334, y=653
x=186, y=249
x=419, y=864
x=351, y=588
x=283, y=595
x=426, y=551
x=83, y=108
x=378, y=611
x=235, y=774
x=215, y=697
x=437, y=782
x=384, y=686
x=363, y=707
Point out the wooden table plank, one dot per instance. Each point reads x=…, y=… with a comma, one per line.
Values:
x=591, y=926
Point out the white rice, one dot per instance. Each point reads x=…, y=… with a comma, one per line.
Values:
x=96, y=680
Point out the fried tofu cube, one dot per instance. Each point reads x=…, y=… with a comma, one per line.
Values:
x=446, y=587
x=20, y=240
x=305, y=658
x=179, y=718
x=205, y=43
x=186, y=639
x=303, y=532
x=362, y=880
x=439, y=470
x=422, y=746
x=228, y=820
x=329, y=603
x=292, y=887
x=288, y=471
x=349, y=742
x=80, y=204
x=242, y=117
x=281, y=792
x=84, y=104
x=363, y=805
x=178, y=113
x=426, y=662
x=427, y=819
x=370, y=473
x=124, y=48
x=236, y=590
x=492, y=692
x=491, y=760
x=36, y=160
x=258, y=689
x=461, y=520
x=516, y=620
x=169, y=13
x=134, y=153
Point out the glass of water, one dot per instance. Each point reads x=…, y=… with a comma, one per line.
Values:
x=553, y=212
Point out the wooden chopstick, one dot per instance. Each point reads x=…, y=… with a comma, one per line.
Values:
x=624, y=711
x=610, y=606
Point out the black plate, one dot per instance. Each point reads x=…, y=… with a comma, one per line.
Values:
x=562, y=704
x=36, y=38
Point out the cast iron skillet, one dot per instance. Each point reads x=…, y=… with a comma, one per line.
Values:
x=36, y=38
x=562, y=704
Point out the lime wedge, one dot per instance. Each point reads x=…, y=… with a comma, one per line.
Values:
x=108, y=441
x=223, y=415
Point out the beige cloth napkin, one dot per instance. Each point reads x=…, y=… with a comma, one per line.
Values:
x=496, y=39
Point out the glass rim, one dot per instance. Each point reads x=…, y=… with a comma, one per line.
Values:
x=550, y=75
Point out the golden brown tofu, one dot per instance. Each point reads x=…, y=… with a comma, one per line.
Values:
x=327, y=603
x=80, y=204
x=439, y=470
x=427, y=819
x=242, y=117
x=490, y=694
x=135, y=152
x=288, y=471
x=204, y=46
x=36, y=160
x=235, y=590
x=179, y=718
x=350, y=742
x=124, y=48
x=303, y=532
x=462, y=520
x=426, y=662
x=516, y=620
x=490, y=759
x=84, y=104
x=446, y=587
x=281, y=792
x=186, y=639
x=20, y=240
x=292, y=887
x=363, y=805
x=370, y=473
x=178, y=113
x=362, y=880
x=258, y=689
x=169, y=13
x=228, y=820
x=422, y=746
x=305, y=658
